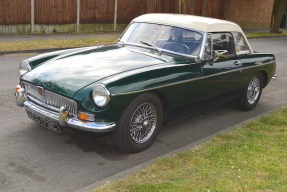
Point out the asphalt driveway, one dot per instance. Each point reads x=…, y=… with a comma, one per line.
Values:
x=36, y=159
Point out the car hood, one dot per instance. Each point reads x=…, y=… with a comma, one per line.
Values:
x=70, y=73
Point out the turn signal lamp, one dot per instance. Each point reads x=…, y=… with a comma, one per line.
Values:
x=17, y=88
x=86, y=116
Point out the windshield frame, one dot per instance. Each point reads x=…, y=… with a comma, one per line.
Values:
x=197, y=57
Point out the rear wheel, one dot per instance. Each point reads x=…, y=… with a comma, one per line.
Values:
x=139, y=124
x=252, y=93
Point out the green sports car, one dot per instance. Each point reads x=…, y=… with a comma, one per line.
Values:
x=162, y=69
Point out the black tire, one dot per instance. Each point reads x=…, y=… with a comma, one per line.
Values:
x=144, y=116
x=252, y=93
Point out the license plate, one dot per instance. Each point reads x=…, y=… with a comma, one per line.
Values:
x=54, y=126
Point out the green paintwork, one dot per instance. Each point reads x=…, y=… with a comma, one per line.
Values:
x=184, y=86
x=86, y=67
x=40, y=59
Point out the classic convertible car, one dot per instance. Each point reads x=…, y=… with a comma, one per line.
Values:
x=163, y=68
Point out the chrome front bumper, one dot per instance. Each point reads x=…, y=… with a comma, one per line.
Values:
x=62, y=117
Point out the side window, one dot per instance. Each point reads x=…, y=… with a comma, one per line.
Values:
x=241, y=46
x=224, y=43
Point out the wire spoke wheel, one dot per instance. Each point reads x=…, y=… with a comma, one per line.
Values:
x=143, y=122
x=139, y=124
x=253, y=90
x=252, y=93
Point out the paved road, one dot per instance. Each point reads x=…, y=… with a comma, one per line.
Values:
x=36, y=159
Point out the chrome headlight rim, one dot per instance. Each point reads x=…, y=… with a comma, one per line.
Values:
x=24, y=67
x=101, y=96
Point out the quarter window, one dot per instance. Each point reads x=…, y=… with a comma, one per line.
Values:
x=224, y=43
x=241, y=46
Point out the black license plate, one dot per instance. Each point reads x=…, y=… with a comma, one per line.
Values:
x=54, y=126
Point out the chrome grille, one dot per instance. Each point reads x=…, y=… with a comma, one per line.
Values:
x=49, y=99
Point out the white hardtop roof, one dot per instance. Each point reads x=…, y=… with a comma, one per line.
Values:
x=204, y=24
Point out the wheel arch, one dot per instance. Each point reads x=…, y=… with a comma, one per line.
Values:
x=164, y=102
x=265, y=78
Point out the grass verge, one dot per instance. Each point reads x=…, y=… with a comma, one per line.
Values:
x=40, y=44
x=252, y=158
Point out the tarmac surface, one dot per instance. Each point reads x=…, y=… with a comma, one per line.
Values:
x=41, y=142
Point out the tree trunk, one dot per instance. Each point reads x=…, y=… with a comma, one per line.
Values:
x=278, y=16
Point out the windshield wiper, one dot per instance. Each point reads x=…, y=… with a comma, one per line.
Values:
x=151, y=45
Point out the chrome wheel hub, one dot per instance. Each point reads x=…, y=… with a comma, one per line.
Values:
x=146, y=123
x=143, y=123
x=253, y=90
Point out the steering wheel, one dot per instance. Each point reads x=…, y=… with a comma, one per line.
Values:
x=176, y=47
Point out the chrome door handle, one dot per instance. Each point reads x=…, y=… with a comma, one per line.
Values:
x=236, y=63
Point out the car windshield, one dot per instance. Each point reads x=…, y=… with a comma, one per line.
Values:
x=164, y=37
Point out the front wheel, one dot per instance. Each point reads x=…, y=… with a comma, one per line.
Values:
x=139, y=124
x=251, y=94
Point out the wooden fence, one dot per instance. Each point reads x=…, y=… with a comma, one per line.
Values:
x=15, y=12
x=65, y=11
x=54, y=11
x=100, y=11
x=20, y=16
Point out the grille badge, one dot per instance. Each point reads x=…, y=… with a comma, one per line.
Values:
x=40, y=90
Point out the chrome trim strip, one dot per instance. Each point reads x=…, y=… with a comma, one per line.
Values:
x=72, y=122
x=186, y=81
x=202, y=50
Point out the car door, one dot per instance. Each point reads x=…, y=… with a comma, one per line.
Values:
x=221, y=74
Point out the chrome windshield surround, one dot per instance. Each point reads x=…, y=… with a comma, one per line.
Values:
x=48, y=99
x=198, y=57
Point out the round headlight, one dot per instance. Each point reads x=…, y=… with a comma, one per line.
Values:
x=24, y=67
x=101, y=95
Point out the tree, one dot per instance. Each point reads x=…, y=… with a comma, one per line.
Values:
x=279, y=8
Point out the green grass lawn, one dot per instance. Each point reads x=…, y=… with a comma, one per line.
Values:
x=251, y=158
x=39, y=44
